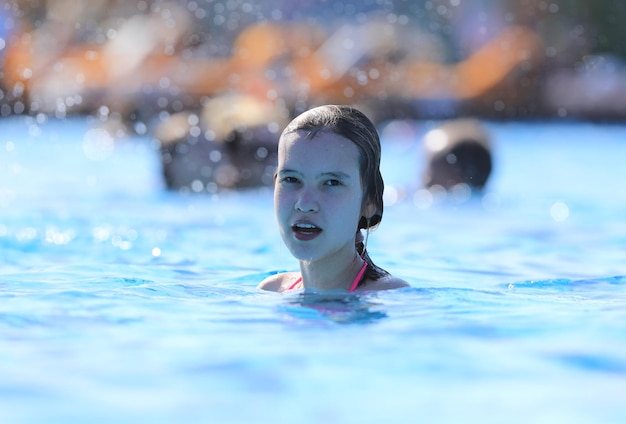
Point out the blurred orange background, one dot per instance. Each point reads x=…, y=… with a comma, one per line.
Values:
x=395, y=59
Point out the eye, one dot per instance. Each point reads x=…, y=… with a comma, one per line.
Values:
x=289, y=180
x=332, y=183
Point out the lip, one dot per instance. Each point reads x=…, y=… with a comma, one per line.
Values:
x=303, y=234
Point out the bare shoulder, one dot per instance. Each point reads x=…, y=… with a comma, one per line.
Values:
x=278, y=282
x=388, y=282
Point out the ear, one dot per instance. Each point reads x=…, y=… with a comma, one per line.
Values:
x=368, y=210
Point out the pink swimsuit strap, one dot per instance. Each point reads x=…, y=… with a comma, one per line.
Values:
x=353, y=286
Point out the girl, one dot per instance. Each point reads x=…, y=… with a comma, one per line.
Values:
x=328, y=187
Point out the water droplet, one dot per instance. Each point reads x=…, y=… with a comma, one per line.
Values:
x=98, y=144
x=559, y=211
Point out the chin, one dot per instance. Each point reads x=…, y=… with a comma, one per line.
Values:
x=302, y=253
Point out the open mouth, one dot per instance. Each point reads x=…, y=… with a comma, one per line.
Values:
x=305, y=230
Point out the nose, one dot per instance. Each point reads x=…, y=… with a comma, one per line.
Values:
x=306, y=201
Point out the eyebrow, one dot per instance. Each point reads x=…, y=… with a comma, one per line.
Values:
x=334, y=174
x=339, y=175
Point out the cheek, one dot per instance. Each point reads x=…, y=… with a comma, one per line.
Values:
x=350, y=213
x=281, y=202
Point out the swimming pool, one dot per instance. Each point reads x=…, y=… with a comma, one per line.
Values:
x=120, y=302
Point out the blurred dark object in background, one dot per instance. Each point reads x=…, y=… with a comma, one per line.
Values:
x=458, y=152
x=230, y=144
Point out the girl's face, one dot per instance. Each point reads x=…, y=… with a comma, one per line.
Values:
x=318, y=194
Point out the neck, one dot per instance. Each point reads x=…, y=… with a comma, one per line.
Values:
x=336, y=273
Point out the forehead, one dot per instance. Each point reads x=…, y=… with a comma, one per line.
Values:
x=300, y=145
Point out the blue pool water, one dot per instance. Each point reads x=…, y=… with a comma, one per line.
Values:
x=120, y=302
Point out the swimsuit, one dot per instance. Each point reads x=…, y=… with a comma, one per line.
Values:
x=353, y=286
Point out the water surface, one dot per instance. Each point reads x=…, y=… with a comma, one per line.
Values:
x=120, y=302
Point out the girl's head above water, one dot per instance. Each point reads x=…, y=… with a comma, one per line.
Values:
x=351, y=124
x=328, y=187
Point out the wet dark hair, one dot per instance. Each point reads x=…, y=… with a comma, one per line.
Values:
x=470, y=164
x=353, y=125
